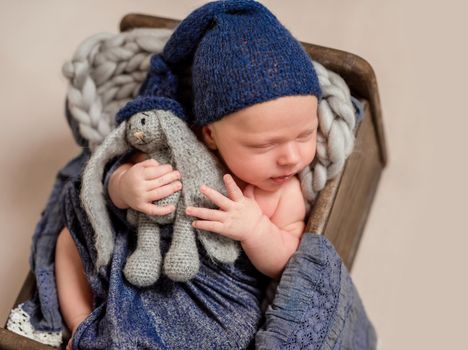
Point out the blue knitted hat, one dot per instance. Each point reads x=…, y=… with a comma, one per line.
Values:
x=240, y=55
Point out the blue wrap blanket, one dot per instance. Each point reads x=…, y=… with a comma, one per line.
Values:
x=316, y=305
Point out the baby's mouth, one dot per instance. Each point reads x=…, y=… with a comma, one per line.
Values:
x=281, y=179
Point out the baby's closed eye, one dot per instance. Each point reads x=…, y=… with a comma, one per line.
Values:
x=263, y=146
x=307, y=135
x=303, y=137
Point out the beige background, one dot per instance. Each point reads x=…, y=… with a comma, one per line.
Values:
x=410, y=270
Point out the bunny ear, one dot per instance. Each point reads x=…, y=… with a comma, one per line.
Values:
x=198, y=166
x=92, y=192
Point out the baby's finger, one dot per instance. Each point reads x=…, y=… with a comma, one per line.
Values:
x=152, y=209
x=217, y=198
x=154, y=172
x=163, y=180
x=149, y=163
x=234, y=192
x=163, y=191
x=206, y=213
x=212, y=226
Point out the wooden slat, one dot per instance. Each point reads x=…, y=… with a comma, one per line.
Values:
x=12, y=341
x=355, y=193
x=134, y=20
x=322, y=207
x=26, y=293
x=341, y=208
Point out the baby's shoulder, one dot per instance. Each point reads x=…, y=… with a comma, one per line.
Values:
x=277, y=204
x=291, y=194
x=267, y=201
x=292, y=186
x=291, y=206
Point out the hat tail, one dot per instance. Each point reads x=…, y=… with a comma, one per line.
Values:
x=182, y=44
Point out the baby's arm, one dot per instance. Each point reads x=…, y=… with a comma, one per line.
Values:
x=239, y=217
x=276, y=239
x=74, y=292
x=139, y=182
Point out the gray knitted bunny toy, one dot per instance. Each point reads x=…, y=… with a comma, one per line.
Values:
x=157, y=129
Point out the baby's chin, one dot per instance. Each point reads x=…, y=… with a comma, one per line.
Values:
x=265, y=185
x=268, y=185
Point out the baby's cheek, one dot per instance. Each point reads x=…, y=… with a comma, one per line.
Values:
x=245, y=172
x=310, y=152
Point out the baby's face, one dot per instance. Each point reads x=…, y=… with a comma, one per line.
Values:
x=269, y=142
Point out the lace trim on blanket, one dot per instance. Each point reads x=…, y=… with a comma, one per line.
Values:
x=20, y=322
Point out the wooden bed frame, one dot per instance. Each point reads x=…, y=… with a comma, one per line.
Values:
x=342, y=207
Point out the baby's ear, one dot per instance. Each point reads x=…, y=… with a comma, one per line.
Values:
x=207, y=133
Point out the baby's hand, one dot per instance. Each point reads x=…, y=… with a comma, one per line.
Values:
x=145, y=182
x=238, y=215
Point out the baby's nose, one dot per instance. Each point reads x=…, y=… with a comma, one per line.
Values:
x=290, y=155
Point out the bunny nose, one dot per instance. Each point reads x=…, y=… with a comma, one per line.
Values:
x=139, y=135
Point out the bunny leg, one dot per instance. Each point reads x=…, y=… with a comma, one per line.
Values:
x=143, y=267
x=182, y=262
